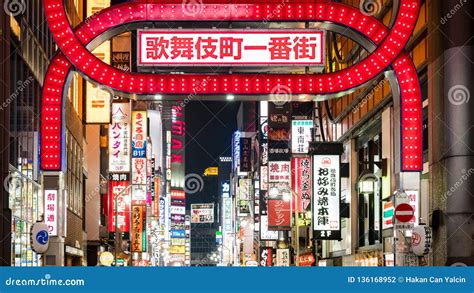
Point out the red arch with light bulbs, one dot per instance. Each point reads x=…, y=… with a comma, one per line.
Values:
x=74, y=54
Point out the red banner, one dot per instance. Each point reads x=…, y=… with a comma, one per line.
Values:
x=279, y=214
x=301, y=182
x=121, y=201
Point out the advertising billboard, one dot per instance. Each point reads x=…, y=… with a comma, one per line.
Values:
x=202, y=213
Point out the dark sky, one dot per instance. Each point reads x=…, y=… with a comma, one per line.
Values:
x=209, y=128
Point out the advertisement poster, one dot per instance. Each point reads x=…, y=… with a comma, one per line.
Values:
x=202, y=213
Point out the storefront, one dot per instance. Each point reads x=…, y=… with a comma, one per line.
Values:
x=26, y=204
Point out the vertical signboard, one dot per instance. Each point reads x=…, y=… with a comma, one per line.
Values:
x=245, y=154
x=301, y=136
x=139, y=134
x=156, y=201
x=227, y=215
x=413, y=200
x=265, y=233
x=119, y=139
x=178, y=126
x=98, y=100
x=177, y=225
x=139, y=147
x=301, y=182
x=283, y=257
x=138, y=232
x=138, y=171
x=327, y=197
x=244, y=191
x=51, y=211
x=236, y=151
x=279, y=128
x=119, y=202
x=266, y=256
x=279, y=214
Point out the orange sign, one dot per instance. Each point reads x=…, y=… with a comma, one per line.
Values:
x=211, y=171
x=138, y=242
x=306, y=260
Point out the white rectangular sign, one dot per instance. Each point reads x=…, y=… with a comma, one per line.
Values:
x=177, y=210
x=230, y=47
x=202, y=213
x=301, y=136
x=283, y=257
x=265, y=234
x=119, y=138
x=326, y=193
x=51, y=211
x=139, y=171
x=279, y=171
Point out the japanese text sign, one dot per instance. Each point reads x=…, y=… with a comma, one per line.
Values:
x=230, y=47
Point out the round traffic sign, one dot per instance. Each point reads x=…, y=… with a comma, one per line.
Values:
x=404, y=212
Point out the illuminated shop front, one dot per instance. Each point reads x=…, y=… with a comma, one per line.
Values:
x=26, y=203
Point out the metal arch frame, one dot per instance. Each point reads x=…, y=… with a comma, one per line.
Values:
x=59, y=70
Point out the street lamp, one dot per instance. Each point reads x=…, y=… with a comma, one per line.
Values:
x=367, y=182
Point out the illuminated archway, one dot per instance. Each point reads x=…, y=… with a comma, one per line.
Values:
x=75, y=46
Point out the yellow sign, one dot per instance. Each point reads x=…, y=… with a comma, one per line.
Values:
x=211, y=171
x=177, y=249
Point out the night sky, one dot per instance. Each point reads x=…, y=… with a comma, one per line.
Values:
x=209, y=128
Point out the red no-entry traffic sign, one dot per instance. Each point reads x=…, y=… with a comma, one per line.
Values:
x=404, y=212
